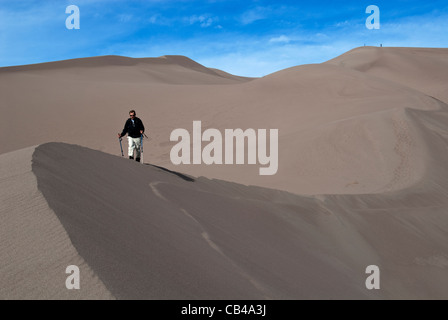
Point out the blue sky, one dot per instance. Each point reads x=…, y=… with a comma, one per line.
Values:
x=250, y=38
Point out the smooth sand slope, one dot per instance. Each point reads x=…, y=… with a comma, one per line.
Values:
x=35, y=249
x=342, y=129
x=147, y=233
x=423, y=69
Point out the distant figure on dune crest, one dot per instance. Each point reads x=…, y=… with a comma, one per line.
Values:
x=134, y=128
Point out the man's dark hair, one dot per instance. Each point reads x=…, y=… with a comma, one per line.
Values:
x=133, y=111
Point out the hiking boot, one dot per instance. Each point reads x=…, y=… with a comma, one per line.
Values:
x=137, y=159
x=131, y=157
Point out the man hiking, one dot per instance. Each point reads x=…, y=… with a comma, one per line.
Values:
x=134, y=128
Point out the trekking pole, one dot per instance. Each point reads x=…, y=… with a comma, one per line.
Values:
x=121, y=147
x=141, y=147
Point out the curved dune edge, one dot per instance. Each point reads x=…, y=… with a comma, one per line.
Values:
x=35, y=248
x=151, y=234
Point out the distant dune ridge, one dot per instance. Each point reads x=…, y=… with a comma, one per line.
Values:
x=362, y=180
x=166, y=69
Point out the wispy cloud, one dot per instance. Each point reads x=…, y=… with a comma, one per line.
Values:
x=158, y=19
x=342, y=23
x=203, y=20
x=255, y=14
x=125, y=17
x=280, y=39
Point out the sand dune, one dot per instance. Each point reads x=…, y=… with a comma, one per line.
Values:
x=362, y=180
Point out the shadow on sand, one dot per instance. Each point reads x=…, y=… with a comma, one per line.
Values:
x=180, y=175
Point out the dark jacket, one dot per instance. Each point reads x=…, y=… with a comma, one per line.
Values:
x=133, y=129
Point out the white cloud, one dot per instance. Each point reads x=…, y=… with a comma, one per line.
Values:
x=207, y=23
x=125, y=17
x=153, y=19
x=342, y=23
x=250, y=16
x=160, y=20
x=203, y=20
x=280, y=39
